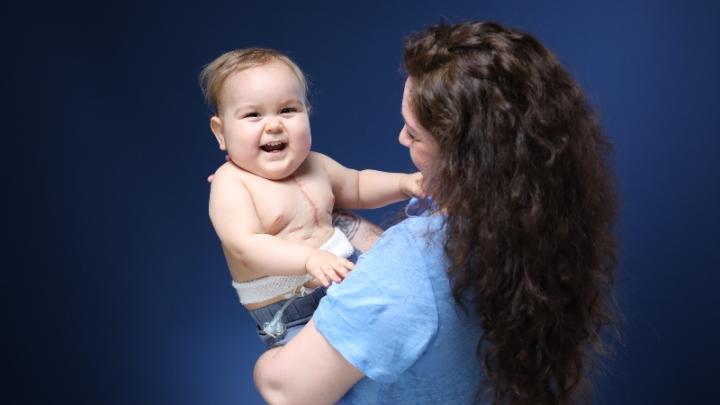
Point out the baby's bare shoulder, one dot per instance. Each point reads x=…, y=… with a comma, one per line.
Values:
x=318, y=161
x=229, y=193
x=227, y=170
x=226, y=179
x=315, y=158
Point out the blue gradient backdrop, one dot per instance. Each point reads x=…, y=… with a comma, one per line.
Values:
x=118, y=289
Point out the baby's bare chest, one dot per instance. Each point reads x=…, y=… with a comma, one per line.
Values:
x=299, y=203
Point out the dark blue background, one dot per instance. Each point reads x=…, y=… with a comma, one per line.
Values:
x=117, y=288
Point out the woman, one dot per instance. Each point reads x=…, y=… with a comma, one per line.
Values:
x=498, y=291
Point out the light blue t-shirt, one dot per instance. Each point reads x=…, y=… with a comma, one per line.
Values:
x=394, y=319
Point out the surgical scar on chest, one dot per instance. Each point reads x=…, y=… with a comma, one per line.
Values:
x=309, y=200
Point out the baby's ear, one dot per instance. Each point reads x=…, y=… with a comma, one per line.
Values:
x=216, y=127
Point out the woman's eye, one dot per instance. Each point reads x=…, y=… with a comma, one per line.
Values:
x=287, y=110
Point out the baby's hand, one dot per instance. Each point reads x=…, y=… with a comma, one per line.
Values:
x=412, y=185
x=326, y=266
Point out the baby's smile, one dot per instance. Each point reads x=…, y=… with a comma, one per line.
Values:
x=273, y=146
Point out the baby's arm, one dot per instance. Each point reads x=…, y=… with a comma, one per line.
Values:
x=235, y=220
x=369, y=188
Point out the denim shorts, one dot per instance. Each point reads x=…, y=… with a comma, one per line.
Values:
x=296, y=315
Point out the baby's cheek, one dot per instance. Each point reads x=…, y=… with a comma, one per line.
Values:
x=238, y=157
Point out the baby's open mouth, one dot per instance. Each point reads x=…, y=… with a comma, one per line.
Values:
x=273, y=146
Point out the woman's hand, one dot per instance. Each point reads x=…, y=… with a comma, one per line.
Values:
x=325, y=266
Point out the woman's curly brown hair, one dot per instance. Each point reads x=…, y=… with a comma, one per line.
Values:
x=524, y=180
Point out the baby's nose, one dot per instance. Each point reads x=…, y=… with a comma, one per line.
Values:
x=273, y=126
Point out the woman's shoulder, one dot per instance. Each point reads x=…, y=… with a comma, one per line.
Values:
x=421, y=231
x=423, y=224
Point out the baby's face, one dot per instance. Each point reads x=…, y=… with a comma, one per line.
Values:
x=263, y=123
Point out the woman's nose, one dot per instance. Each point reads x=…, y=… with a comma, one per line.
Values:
x=403, y=139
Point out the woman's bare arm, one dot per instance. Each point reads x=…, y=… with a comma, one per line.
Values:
x=305, y=371
x=361, y=232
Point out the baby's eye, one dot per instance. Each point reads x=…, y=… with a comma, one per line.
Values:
x=251, y=115
x=288, y=110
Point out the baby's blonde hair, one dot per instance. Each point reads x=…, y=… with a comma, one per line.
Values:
x=213, y=76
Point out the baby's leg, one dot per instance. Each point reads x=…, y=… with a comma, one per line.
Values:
x=361, y=232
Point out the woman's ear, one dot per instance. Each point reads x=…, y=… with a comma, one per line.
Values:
x=216, y=127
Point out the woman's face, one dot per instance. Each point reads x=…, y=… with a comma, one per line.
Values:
x=424, y=150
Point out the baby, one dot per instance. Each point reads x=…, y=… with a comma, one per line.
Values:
x=271, y=204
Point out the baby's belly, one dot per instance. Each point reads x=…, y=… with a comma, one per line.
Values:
x=314, y=238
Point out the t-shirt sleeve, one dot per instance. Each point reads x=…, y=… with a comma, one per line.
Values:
x=382, y=317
